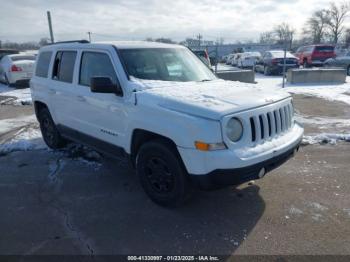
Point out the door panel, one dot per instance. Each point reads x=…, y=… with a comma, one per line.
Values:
x=102, y=116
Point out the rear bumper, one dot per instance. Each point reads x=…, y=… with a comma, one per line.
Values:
x=317, y=62
x=278, y=69
x=235, y=176
x=19, y=77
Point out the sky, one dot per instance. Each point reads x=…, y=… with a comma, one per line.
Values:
x=234, y=20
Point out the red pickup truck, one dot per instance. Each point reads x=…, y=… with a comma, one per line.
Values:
x=314, y=55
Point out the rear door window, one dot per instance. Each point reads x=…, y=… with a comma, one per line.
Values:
x=64, y=66
x=95, y=64
x=42, y=67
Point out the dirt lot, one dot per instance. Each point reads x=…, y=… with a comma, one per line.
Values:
x=72, y=202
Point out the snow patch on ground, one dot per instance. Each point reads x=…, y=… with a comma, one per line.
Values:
x=9, y=124
x=325, y=138
x=24, y=140
x=330, y=92
x=17, y=96
x=323, y=122
x=295, y=211
x=26, y=134
x=347, y=211
x=317, y=206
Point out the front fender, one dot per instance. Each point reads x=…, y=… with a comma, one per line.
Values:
x=181, y=128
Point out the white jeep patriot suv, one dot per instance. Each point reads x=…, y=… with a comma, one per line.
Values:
x=160, y=106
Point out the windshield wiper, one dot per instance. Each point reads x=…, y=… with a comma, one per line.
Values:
x=205, y=80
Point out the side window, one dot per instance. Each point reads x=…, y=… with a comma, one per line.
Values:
x=64, y=66
x=96, y=64
x=42, y=66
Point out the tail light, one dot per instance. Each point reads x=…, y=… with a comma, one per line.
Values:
x=15, y=68
x=206, y=54
x=274, y=61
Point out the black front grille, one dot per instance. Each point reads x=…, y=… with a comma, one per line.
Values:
x=270, y=124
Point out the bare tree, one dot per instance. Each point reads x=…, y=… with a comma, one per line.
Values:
x=285, y=34
x=347, y=37
x=316, y=26
x=44, y=41
x=337, y=15
x=267, y=38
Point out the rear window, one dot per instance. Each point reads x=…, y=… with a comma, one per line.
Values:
x=19, y=58
x=324, y=48
x=200, y=53
x=42, y=66
x=64, y=66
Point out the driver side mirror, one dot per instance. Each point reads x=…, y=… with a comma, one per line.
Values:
x=105, y=85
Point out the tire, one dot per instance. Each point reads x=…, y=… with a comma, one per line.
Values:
x=266, y=71
x=162, y=173
x=6, y=80
x=49, y=131
x=348, y=70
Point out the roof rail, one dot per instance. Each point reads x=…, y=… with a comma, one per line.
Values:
x=83, y=41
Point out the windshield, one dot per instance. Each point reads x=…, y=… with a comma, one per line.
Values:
x=166, y=64
x=280, y=54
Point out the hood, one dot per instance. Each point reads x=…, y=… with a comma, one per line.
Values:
x=212, y=99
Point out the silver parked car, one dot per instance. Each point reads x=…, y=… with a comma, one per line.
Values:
x=339, y=61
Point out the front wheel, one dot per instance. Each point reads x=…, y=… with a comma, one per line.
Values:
x=162, y=173
x=6, y=80
x=305, y=65
x=266, y=71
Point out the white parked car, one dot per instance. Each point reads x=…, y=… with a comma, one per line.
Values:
x=161, y=107
x=16, y=69
x=229, y=59
x=235, y=59
x=248, y=59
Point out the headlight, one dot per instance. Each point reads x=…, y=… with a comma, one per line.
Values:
x=234, y=129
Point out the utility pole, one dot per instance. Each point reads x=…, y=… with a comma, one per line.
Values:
x=50, y=26
x=199, y=37
x=89, y=33
x=216, y=57
x=284, y=63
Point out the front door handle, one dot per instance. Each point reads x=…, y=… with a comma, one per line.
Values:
x=52, y=91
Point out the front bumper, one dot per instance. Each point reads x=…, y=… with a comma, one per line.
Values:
x=225, y=177
x=235, y=166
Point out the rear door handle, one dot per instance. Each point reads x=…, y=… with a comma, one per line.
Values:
x=81, y=99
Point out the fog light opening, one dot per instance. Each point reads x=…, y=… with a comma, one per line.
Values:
x=262, y=173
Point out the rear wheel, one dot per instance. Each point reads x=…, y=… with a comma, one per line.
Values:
x=305, y=64
x=6, y=80
x=162, y=174
x=266, y=71
x=49, y=131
